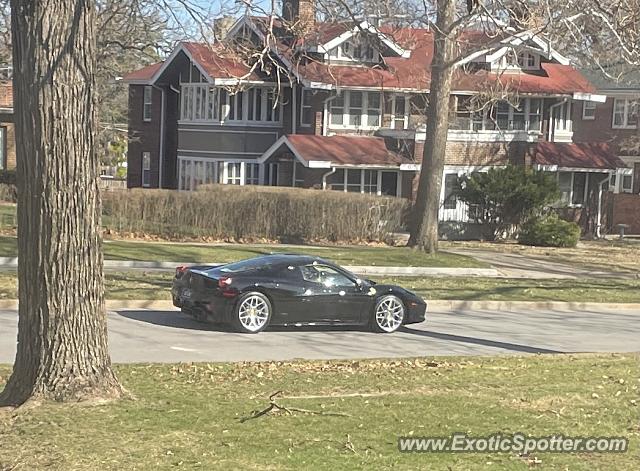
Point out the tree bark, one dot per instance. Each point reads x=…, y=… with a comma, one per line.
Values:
x=424, y=230
x=62, y=349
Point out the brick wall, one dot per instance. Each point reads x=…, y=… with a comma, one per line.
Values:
x=623, y=208
x=10, y=145
x=144, y=136
x=480, y=153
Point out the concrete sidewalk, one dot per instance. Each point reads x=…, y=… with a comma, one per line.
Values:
x=511, y=265
x=12, y=262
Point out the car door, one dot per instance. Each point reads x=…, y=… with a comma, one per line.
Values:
x=331, y=296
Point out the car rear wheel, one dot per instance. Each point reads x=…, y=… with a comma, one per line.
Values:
x=388, y=314
x=252, y=313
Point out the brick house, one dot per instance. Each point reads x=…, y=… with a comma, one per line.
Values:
x=346, y=112
x=7, y=134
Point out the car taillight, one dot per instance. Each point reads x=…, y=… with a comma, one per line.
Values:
x=224, y=282
x=228, y=291
x=180, y=271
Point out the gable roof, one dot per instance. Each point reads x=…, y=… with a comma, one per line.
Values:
x=330, y=151
x=586, y=155
x=411, y=72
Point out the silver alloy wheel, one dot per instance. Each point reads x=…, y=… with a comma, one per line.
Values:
x=389, y=313
x=253, y=313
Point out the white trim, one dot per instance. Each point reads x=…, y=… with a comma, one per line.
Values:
x=410, y=167
x=591, y=108
x=279, y=143
x=579, y=96
x=455, y=135
x=364, y=26
x=378, y=169
x=626, y=113
x=179, y=48
x=222, y=152
x=556, y=168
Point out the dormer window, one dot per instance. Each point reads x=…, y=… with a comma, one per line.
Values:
x=354, y=50
x=522, y=60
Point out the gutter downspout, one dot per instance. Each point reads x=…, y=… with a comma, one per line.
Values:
x=599, y=221
x=551, y=126
x=325, y=115
x=161, y=149
x=324, y=177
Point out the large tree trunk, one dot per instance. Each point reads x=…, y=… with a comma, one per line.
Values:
x=62, y=331
x=424, y=227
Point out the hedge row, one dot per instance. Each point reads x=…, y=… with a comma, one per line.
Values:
x=251, y=213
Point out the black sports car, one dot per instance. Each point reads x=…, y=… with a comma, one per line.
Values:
x=287, y=289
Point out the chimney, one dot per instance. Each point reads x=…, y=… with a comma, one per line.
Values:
x=302, y=11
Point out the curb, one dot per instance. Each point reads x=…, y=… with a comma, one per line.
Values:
x=10, y=262
x=433, y=305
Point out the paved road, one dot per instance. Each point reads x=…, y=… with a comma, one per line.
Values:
x=169, y=336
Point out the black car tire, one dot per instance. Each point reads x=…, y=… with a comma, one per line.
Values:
x=388, y=303
x=246, y=321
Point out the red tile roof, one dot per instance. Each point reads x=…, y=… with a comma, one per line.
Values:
x=345, y=150
x=6, y=95
x=146, y=73
x=413, y=73
x=577, y=155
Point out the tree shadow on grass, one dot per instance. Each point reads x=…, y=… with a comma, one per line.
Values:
x=478, y=341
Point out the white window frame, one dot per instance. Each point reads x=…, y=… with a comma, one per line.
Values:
x=340, y=53
x=590, y=107
x=305, y=104
x=364, y=111
x=522, y=60
x=570, y=203
x=217, y=171
x=221, y=107
x=525, y=109
x=147, y=102
x=146, y=170
x=625, y=113
x=405, y=116
x=344, y=185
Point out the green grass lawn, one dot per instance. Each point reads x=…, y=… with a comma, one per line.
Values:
x=156, y=285
x=188, y=416
x=190, y=253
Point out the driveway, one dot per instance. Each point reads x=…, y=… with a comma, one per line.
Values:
x=169, y=336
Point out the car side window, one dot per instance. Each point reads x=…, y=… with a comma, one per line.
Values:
x=325, y=275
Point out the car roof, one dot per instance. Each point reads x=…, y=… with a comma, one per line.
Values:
x=291, y=259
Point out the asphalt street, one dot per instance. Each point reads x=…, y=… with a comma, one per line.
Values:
x=169, y=336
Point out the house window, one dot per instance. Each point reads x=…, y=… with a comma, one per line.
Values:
x=526, y=116
x=589, y=110
x=573, y=187
x=399, y=119
x=146, y=169
x=234, y=176
x=527, y=60
x=274, y=174
x=3, y=147
x=337, y=109
x=368, y=181
x=200, y=102
x=306, y=112
x=627, y=184
x=450, y=182
x=625, y=113
x=354, y=49
x=251, y=175
x=146, y=105
x=355, y=109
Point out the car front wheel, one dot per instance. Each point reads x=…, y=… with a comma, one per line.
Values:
x=252, y=313
x=388, y=314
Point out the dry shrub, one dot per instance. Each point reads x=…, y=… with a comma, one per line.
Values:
x=254, y=212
